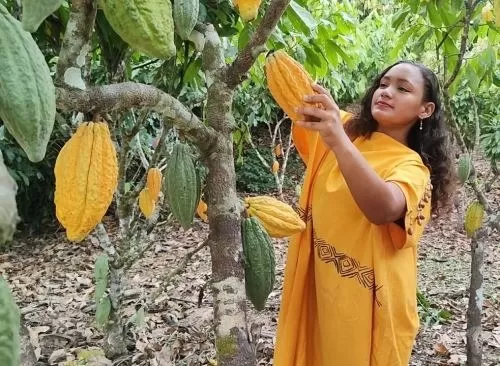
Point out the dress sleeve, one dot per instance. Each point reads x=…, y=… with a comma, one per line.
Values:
x=305, y=139
x=413, y=178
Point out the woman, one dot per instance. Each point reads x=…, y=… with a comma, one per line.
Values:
x=372, y=182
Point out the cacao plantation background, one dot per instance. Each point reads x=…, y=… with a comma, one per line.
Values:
x=144, y=257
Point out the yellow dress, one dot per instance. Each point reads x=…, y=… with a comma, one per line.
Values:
x=349, y=293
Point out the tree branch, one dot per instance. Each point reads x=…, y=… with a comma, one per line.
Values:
x=469, y=8
x=76, y=44
x=255, y=46
x=135, y=95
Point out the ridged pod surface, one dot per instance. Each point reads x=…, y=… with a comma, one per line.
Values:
x=35, y=12
x=153, y=183
x=464, y=168
x=288, y=82
x=260, y=262
x=183, y=186
x=146, y=25
x=27, y=93
x=9, y=327
x=86, y=172
x=248, y=9
x=474, y=216
x=278, y=218
x=146, y=203
x=8, y=207
x=185, y=16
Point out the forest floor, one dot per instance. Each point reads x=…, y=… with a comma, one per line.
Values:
x=52, y=281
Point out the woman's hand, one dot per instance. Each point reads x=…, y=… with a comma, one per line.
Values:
x=326, y=120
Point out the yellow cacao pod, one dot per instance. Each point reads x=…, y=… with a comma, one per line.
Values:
x=248, y=9
x=153, y=182
x=201, y=210
x=288, y=82
x=277, y=150
x=473, y=218
x=86, y=173
x=278, y=218
x=146, y=203
x=276, y=167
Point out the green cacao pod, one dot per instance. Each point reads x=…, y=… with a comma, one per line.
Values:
x=9, y=327
x=260, y=262
x=35, y=12
x=27, y=93
x=8, y=208
x=464, y=168
x=473, y=218
x=182, y=183
x=185, y=16
x=146, y=25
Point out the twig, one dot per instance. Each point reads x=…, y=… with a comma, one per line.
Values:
x=249, y=54
x=142, y=156
x=165, y=280
x=469, y=9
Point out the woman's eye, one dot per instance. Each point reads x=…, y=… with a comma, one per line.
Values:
x=383, y=85
x=403, y=89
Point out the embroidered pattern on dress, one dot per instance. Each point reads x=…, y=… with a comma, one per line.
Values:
x=347, y=266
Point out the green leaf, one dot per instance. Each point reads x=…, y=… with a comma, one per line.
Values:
x=433, y=14
x=303, y=15
x=333, y=47
x=192, y=71
x=102, y=311
x=138, y=319
x=399, y=18
x=245, y=36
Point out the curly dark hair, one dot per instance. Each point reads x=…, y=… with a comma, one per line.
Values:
x=432, y=143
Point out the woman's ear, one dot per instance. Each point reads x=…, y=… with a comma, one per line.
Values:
x=428, y=109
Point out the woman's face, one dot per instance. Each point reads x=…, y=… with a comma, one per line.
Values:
x=398, y=100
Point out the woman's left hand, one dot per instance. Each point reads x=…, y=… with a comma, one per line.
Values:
x=326, y=120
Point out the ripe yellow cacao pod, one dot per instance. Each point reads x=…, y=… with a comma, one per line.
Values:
x=288, y=82
x=473, y=218
x=248, y=9
x=277, y=150
x=276, y=167
x=278, y=218
x=201, y=210
x=146, y=203
x=86, y=173
x=153, y=182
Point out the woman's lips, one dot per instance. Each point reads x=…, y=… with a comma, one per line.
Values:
x=383, y=104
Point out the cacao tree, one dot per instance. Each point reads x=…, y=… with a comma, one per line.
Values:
x=97, y=150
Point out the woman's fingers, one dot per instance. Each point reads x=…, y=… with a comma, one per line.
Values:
x=324, y=92
x=324, y=99
x=314, y=112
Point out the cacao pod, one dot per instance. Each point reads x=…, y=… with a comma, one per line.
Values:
x=183, y=185
x=27, y=93
x=260, y=262
x=248, y=9
x=277, y=150
x=474, y=216
x=153, y=183
x=8, y=207
x=10, y=323
x=86, y=173
x=35, y=12
x=288, y=82
x=276, y=167
x=146, y=203
x=464, y=168
x=201, y=210
x=278, y=218
x=185, y=17
x=146, y=25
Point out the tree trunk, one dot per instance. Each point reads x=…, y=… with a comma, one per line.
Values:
x=474, y=311
x=228, y=277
